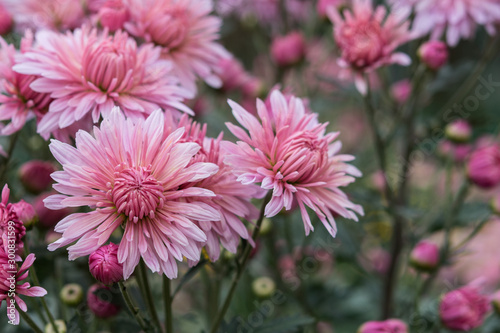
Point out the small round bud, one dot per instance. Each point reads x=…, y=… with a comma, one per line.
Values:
x=100, y=301
x=104, y=265
x=390, y=325
x=458, y=131
x=26, y=213
x=60, y=325
x=483, y=167
x=263, y=287
x=35, y=175
x=71, y=294
x=288, y=50
x=425, y=256
x=434, y=54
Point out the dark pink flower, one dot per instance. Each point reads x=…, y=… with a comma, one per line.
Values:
x=6, y=21
x=25, y=212
x=104, y=265
x=463, y=309
x=12, y=229
x=484, y=166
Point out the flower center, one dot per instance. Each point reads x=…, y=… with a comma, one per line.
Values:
x=136, y=193
x=362, y=43
x=317, y=152
x=170, y=29
x=106, y=65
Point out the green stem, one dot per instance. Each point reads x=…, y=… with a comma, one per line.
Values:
x=5, y=164
x=167, y=297
x=241, y=266
x=133, y=308
x=147, y=294
x=29, y=321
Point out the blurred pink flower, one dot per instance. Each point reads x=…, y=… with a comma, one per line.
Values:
x=104, y=265
x=187, y=33
x=8, y=220
x=483, y=167
x=87, y=73
x=375, y=259
x=401, y=91
x=288, y=50
x=35, y=175
x=12, y=277
x=100, y=301
x=25, y=212
x=463, y=309
x=425, y=255
x=130, y=175
x=368, y=38
x=288, y=152
x=234, y=77
x=434, y=54
x=19, y=102
x=231, y=200
x=47, y=14
x=458, y=131
x=457, y=151
x=113, y=14
x=387, y=326
x=456, y=18
x=6, y=21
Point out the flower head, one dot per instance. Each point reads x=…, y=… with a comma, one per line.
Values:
x=288, y=50
x=113, y=14
x=456, y=19
x=130, y=175
x=484, y=166
x=287, y=152
x=187, y=33
x=10, y=222
x=104, y=265
x=12, y=279
x=368, y=38
x=434, y=54
x=463, y=309
x=87, y=73
x=18, y=102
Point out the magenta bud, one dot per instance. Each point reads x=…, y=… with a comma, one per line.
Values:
x=288, y=50
x=463, y=309
x=425, y=256
x=434, y=54
x=458, y=131
x=483, y=167
x=104, y=265
x=6, y=21
x=387, y=326
x=100, y=301
x=26, y=213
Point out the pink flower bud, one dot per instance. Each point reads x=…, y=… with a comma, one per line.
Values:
x=456, y=151
x=113, y=15
x=434, y=54
x=104, y=265
x=463, y=309
x=48, y=218
x=458, y=131
x=495, y=301
x=387, y=326
x=6, y=21
x=288, y=50
x=35, y=175
x=26, y=213
x=425, y=256
x=484, y=166
x=100, y=301
x=401, y=91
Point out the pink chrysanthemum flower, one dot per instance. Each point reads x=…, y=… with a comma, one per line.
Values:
x=47, y=14
x=88, y=73
x=456, y=19
x=231, y=200
x=18, y=102
x=12, y=229
x=12, y=275
x=368, y=37
x=288, y=153
x=187, y=33
x=130, y=174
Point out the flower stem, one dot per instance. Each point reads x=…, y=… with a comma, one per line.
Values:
x=133, y=308
x=146, y=292
x=241, y=266
x=167, y=300
x=5, y=163
x=29, y=321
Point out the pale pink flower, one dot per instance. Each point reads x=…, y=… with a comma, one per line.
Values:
x=457, y=19
x=463, y=309
x=386, y=326
x=87, y=73
x=18, y=102
x=187, y=33
x=11, y=277
x=47, y=14
x=231, y=200
x=287, y=152
x=10, y=223
x=129, y=175
x=104, y=265
x=368, y=38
